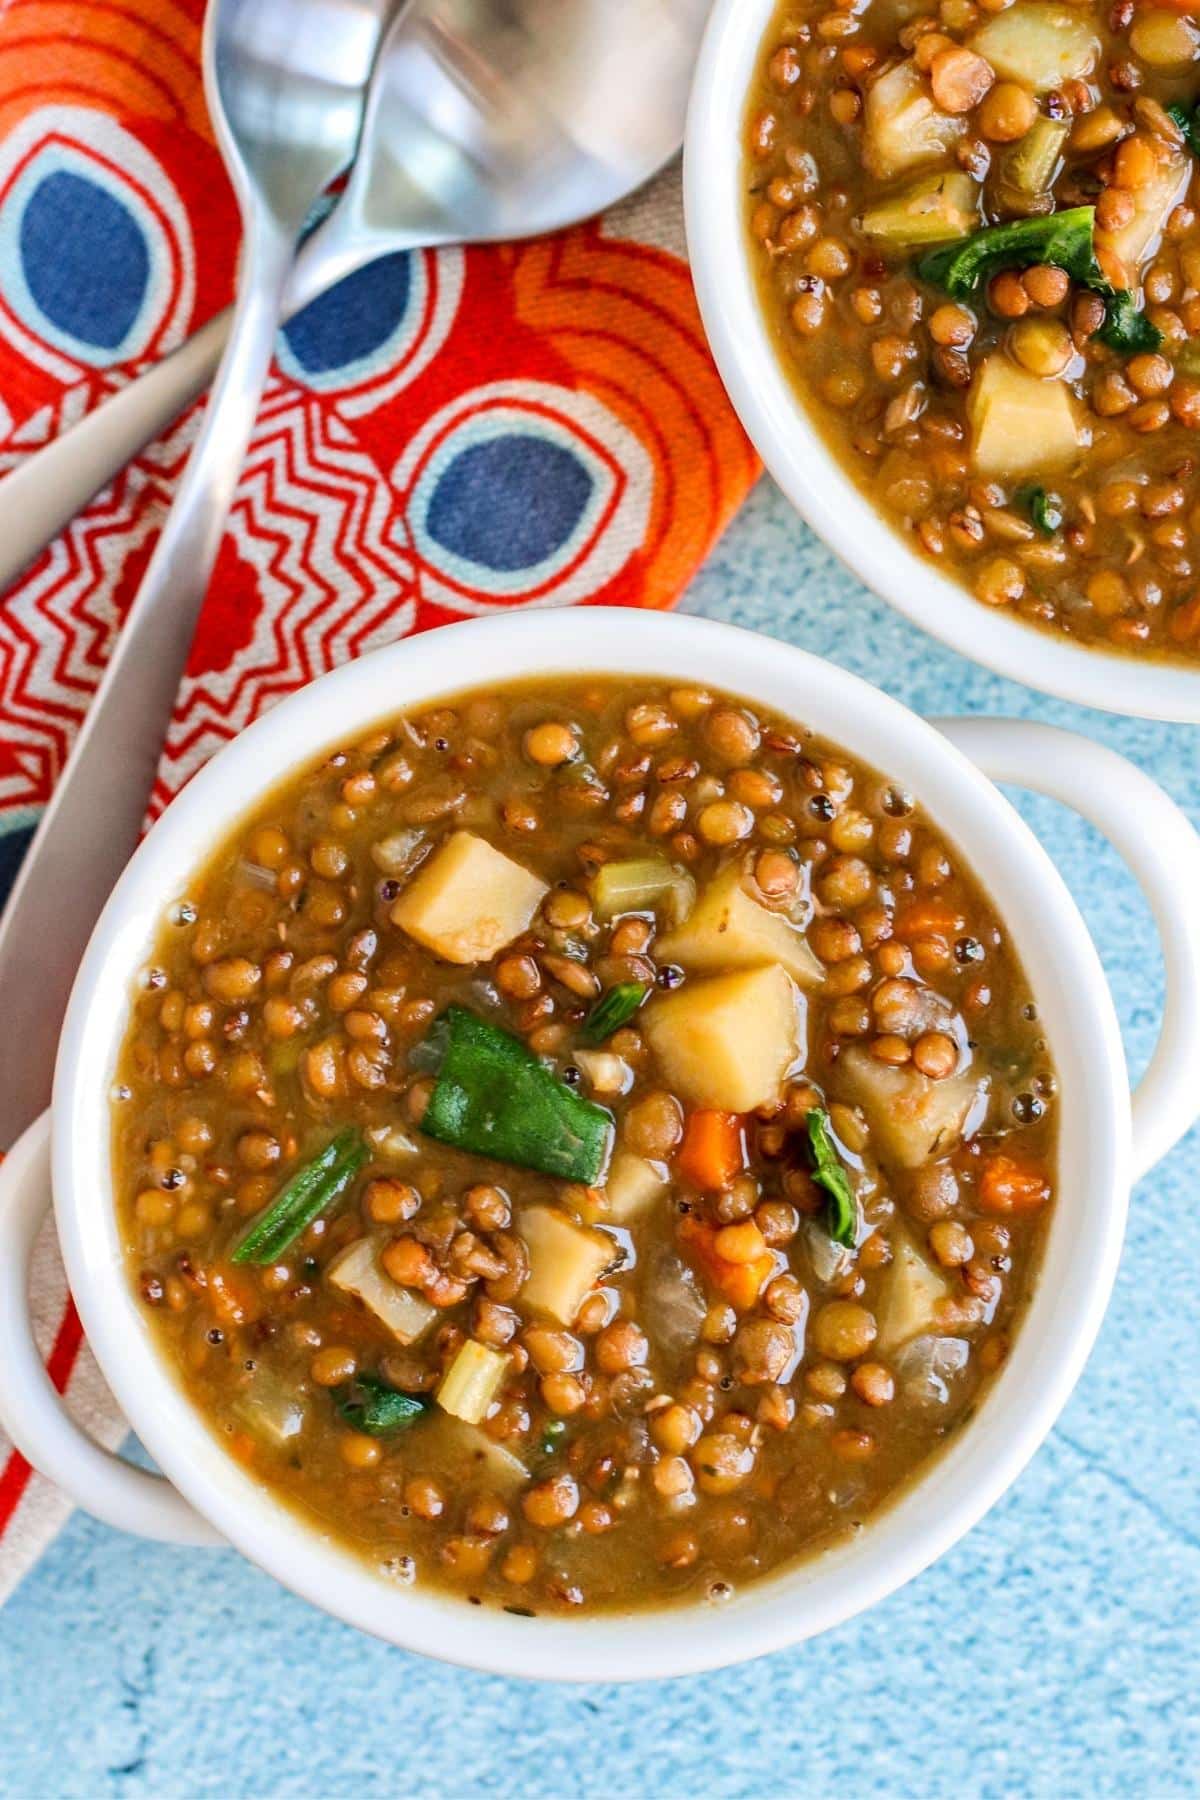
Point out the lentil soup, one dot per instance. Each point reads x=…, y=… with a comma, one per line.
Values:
x=974, y=228
x=584, y=1144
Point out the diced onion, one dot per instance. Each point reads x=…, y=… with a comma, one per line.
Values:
x=396, y=853
x=928, y=1366
x=829, y=1261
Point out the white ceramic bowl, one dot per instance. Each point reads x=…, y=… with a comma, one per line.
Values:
x=796, y=454
x=1103, y=1140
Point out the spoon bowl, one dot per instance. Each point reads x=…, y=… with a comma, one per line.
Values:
x=487, y=120
x=490, y=121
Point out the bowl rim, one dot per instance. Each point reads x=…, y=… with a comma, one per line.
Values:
x=750, y=364
x=1080, y=1257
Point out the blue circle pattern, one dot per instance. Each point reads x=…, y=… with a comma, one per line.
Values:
x=354, y=320
x=508, y=503
x=84, y=258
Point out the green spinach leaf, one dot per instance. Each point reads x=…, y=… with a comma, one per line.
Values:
x=1127, y=330
x=842, y=1218
x=1063, y=238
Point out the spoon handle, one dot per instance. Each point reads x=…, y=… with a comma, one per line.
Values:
x=91, y=826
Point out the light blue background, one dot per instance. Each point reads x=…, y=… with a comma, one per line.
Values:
x=1055, y=1652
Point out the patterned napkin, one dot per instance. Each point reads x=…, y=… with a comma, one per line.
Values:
x=445, y=435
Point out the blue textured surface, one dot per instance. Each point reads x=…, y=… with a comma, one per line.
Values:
x=1055, y=1652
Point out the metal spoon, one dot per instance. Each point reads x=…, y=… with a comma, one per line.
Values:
x=285, y=89
x=488, y=119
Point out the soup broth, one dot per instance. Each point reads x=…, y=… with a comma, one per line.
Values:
x=585, y=1144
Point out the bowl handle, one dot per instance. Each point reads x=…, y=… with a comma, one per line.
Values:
x=1163, y=852
x=32, y=1410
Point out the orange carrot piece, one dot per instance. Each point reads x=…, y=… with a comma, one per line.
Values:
x=713, y=1150
x=1009, y=1186
x=233, y=1295
x=927, y=918
x=739, y=1283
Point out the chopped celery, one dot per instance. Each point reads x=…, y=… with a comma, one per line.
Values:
x=643, y=884
x=551, y=1439
x=472, y=1382
x=1025, y=174
x=932, y=211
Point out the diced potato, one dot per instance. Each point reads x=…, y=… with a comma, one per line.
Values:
x=1020, y=424
x=468, y=900
x=1038, y=44
x=911, y=1289
x=728, y=929
x=911, y=1118
x=934, y=210
x=643, y=884
x=566, y=1261
x=472, y=1382
x=1164, y=37
x=902, y=128
x=1125, y=251
x=727, y=1042
x=357, y=1271
x=633, y=1186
